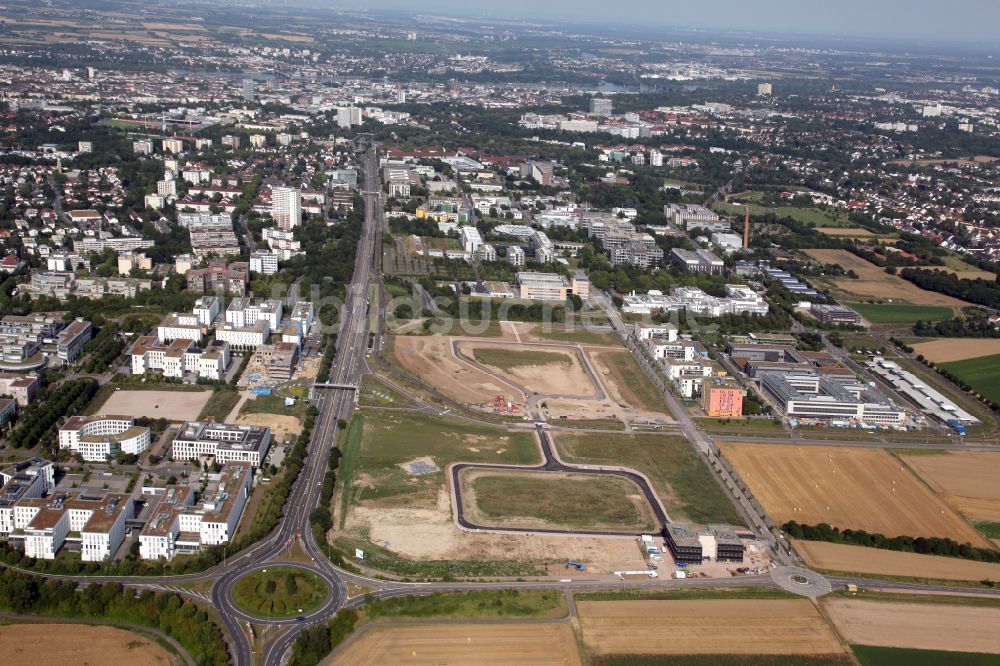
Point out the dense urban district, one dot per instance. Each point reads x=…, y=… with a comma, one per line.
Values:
x=348, y=338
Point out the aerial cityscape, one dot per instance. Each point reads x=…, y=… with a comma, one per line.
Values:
x=543, y=334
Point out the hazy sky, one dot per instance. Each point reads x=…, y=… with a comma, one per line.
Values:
x=945, y=20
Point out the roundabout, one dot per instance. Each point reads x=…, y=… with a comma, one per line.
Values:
x=801, y=581
x=281, y=593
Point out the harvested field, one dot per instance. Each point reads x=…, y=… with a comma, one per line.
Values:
x=853, y=232
x=171, y=405
x=79, y=644
x=858, y=559
x=548, y=499
x=922, y=626
x=431, y=359
x=706, y=626
x=499, y=644
x=625, y=381
x=538, y=368
x=849, y=488
x=969, y=481
x=874, y=282
x=946, y=350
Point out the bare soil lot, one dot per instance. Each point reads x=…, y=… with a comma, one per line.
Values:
x=559, y=371
x=969, y=481
x=490, y=644
x=706, y=626
x=858, y=559
x=946, y=350
x=922, y=626
x=849, y=488
x=431, y=359
x=854, y=232
x=874, y=282
x=79, y=644
x=281, y=426
x=171, y=405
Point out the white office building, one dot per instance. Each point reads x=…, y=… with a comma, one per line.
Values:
x=97, y=438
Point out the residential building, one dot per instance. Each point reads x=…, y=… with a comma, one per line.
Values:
x=515, y=255
x=600, y=106
x=286, y=207
x=232, y=278
x=263, y=262
x=97, y=438
x=722, y=401
x=22, y=388
x=206, y=309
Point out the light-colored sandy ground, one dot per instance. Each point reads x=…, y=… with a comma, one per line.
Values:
x=849, y=488
x=706, y=626
x=969, y=481
x=31, y=644
x=431, y=359
x=281, y=425
x=922, y=626
x=171, y=405
x=874, y=282
x=858, y=559
x=562, y=379
x=957, y=349
x=234, y=413
x=521, y=644
x=430, y=533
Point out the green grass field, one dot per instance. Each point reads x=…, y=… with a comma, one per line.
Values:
x=580, y=335
x=506, y=359
x=378, y=443
x=870, y=655
x=683, y=482
x=815, y=217
x=989, y=529
x=274, y=404
x=219, y=405
x=979, y=373
x=280, y=592
x=900, y=313
x=471, y=605
x=578, y=501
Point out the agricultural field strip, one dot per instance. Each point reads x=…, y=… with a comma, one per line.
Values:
x=847, y=487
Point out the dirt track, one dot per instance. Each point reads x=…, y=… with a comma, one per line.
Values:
x=460, y=644
x=32, y=644
x=921, y=626
x=858, y=559
x=430, y=358
x=706, y=626
x=171, y=405
x=849, y=488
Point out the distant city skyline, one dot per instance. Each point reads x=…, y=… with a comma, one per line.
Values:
x=963, y=21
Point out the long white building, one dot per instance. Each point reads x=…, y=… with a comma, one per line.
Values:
x=226, y=442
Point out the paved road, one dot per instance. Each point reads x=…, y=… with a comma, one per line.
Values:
x=551, y=463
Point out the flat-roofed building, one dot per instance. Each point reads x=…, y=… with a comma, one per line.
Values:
x=226, y=442
x=99, y=520
x=697, y=261
x=541, y=286
x=97, y=438
x=180, y=326
x=22, y=388
x=835, y=314
x=722, y=401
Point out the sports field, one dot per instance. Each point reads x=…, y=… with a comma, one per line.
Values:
x=979, y=373
x=921, y=625
x=901, y=313
x=555, y=500
x=968, y=481
x=849, y=488
x=487, y=644
x=706, y=626
x=858, y=559
x=681, y=480
x=79, y=644
x=874, y=282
